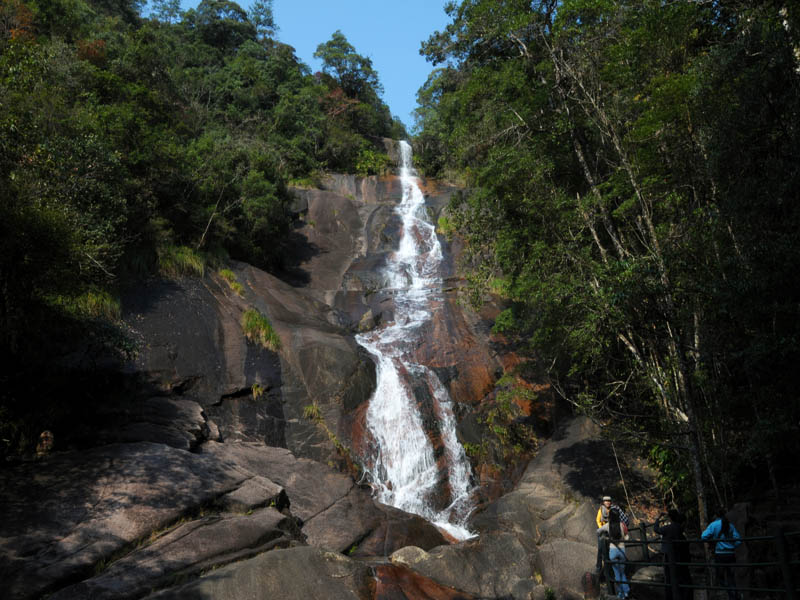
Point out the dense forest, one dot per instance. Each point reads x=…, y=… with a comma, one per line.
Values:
x=633, y=178
x=135, y=145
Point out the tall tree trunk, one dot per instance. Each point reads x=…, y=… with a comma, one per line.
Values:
x=594, y=109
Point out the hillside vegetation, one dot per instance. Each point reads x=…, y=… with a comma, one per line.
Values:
x=133, y=145
x=633, y=177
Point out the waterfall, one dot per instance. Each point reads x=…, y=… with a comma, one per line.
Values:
x=402, y=465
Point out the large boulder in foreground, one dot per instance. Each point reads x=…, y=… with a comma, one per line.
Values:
x=397, y=582
x=185, y=552
x=336, y=514
x=362, y=527
x=64, y=515
x=494, y=565
x=121, y=520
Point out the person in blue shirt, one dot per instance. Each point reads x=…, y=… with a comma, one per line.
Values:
x=727, y=540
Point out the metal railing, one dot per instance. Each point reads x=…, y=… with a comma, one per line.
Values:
x=783, y=563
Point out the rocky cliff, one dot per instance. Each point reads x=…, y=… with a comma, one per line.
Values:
x=232, y=469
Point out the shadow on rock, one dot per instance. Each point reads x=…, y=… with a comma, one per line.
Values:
x=592, y=467
x=298, y=251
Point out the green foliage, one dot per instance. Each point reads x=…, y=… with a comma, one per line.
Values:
x=371, y=162
x=353, y=72
x=630, y=174
x=257, y=391
x=504, y=322
x=179, y=261
x=94, y=304
x=312, y=413
x=263, y=18
x=221, y=24
x=507, y=437
x=445, y=227
x=230, y=278
x=258, y=329
x=353, y=106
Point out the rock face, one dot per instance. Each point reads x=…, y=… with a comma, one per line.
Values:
x=292, y=574
x=229, y=473
x=125, y=519
x=552, y=510
x=193, y=347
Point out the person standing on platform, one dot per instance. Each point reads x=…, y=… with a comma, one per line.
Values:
x=727, y=540
x=617, y=534
x=601, y=519
x=676, y=550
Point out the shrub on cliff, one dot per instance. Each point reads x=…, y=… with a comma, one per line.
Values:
x=258, y=329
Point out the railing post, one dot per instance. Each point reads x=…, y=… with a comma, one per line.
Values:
x=783, y=557
x=646, y=549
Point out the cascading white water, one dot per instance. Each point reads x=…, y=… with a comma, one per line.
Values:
x=403, y=467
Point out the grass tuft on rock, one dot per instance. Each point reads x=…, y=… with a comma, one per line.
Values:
x=230, y=278
x=258, y=329
x=95, y=303
x=177, y=261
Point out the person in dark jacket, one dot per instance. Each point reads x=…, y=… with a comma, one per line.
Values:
x=727, y=539
x=675, y=549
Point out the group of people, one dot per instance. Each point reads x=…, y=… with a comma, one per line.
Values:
x=612, y=530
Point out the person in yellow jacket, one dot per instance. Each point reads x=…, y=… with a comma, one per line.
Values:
x=602, y=512
x=605, y=507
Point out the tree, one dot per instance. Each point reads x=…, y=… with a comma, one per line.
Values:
x=167, y=11
x=262, y=17
x=222, y=24
x=353, y=72
x=16, y=21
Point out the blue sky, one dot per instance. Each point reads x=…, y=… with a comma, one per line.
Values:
x=389, y=33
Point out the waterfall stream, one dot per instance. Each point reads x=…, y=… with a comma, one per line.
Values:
x=403, y=467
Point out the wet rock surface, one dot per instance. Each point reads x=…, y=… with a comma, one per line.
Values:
x=399, y=583
x=495, y=565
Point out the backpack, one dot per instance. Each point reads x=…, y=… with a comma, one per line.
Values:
x=622, y=516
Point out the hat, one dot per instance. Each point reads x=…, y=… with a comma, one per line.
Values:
x=606, y=498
